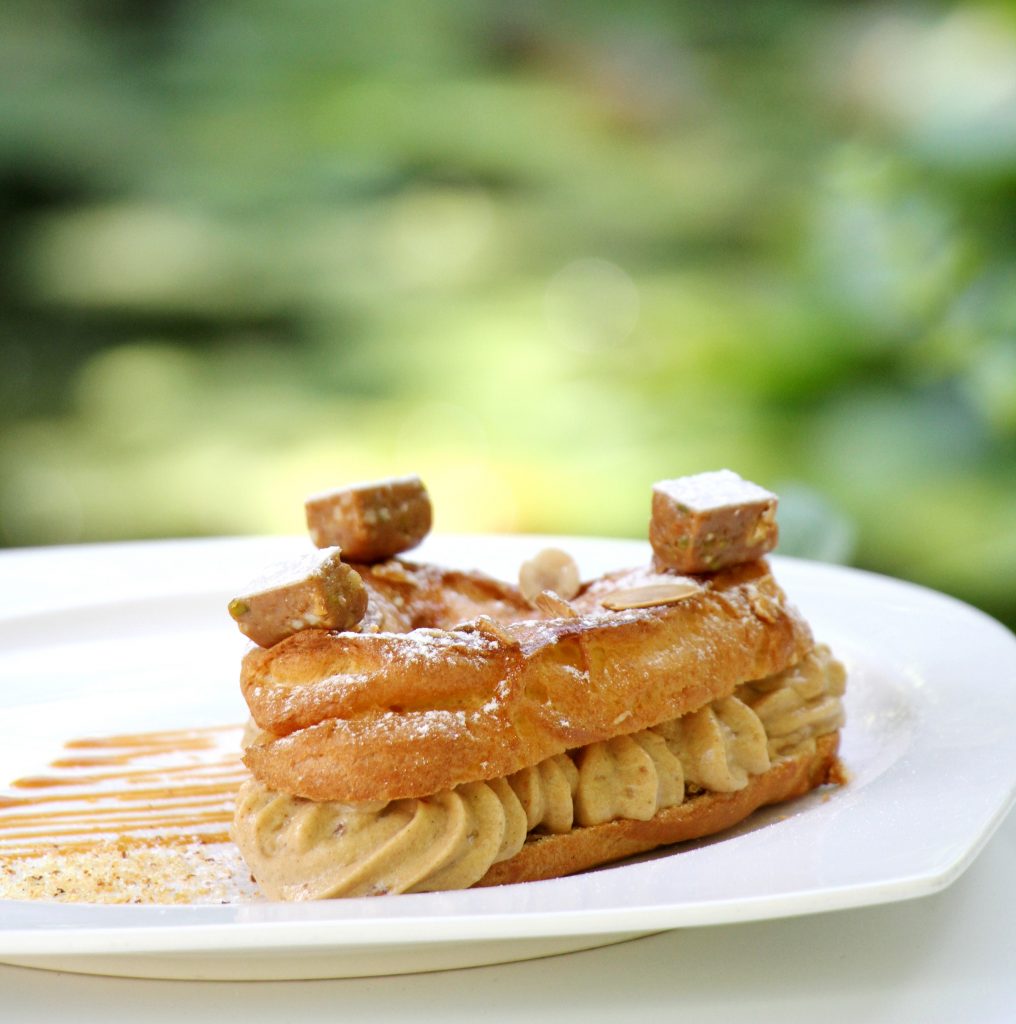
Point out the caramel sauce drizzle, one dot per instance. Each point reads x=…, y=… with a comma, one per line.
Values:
x=136, y=789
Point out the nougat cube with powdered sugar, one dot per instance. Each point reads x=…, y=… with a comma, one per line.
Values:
x=709, y=521
x=318, y=591
x=371, y=521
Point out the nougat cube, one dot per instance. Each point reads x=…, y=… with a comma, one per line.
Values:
x=710, y=521
x=319, y=591
x=371, y=521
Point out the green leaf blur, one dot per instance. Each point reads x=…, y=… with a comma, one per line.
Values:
x=541, y=254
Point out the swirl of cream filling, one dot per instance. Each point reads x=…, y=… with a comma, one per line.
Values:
x=627, y=777
x=799, y=704
x=719, y=745
x=302, y=849
x=547, y=793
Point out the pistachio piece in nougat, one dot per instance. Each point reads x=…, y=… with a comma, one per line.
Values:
x=711, y=521
x=371, y=521
x=318, y=591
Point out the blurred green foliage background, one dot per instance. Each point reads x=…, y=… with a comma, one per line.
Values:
x=542, y=254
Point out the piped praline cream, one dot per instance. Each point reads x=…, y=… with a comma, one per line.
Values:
x=305, y=849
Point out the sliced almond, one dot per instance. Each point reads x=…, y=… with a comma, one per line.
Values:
x=651, y=595
x=488, y=627
x=550, y=569
x=551, y=603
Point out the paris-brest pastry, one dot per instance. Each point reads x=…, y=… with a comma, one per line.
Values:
x=416, y=728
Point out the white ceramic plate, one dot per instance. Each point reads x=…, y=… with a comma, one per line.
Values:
x=930, y=745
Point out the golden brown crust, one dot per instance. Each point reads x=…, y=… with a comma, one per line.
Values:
x=404, y=595
x=359, y=717
x=553, y=856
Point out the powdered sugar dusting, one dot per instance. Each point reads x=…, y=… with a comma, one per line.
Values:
x=720, y=489
x=294, y=570
x=366, y=485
